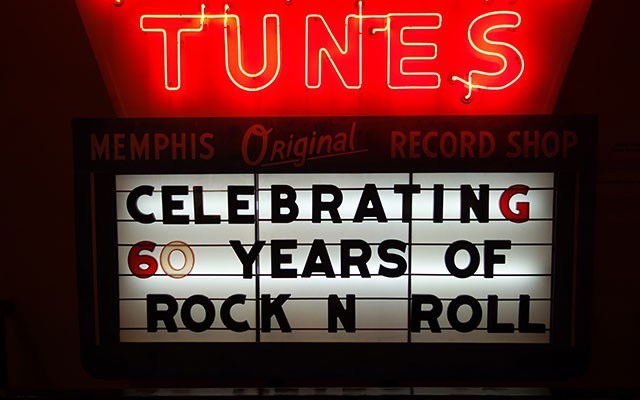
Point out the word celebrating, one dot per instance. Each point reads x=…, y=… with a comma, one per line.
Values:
x=410, y=53
x=326, y=199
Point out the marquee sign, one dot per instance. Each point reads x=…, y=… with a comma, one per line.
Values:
x=361, y=239
x=332, y=57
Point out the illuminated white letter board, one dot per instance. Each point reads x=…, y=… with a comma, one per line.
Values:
x=342, y=243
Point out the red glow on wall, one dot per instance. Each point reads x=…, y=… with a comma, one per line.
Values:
x=373, y=57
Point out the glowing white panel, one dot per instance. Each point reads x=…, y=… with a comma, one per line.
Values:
x=214, y=260
x=340, y=336
x=306, y=232
x=210, y=286
x=480, y=287
x=391, y=202
x=210, y=182
x=376, y=286
x=495, y=180
x=133, y=314
x=540, y=203
x=507, y=314
x=301, y=181
x=187, y=336
x=382, y=303
x=448, y=232
x=479, y=336
x=299, y=257
x=370, y=314
x=522, y=260
x=133, y=232
x=213, y=203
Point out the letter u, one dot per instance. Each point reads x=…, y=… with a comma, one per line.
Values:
x=271, y=54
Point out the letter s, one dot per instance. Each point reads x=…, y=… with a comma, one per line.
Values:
x=481, y=27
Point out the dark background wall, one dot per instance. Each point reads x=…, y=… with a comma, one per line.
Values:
x=48, y=76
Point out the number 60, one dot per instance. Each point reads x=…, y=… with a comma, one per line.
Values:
x=136, y=260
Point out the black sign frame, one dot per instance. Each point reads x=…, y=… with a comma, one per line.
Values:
x=344, y=363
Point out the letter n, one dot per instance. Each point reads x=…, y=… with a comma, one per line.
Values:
x=345, y=57
x=346, y=315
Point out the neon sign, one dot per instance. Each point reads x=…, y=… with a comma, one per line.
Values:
x=244, y=58
x=233, y=50
x=469, y=82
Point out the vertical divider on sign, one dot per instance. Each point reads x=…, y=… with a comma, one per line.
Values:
x=256, y=183
x=574, y=264
x=563, y=259
x=409, y=264
x=106, y=256
x=554, y=263
x=94, y=258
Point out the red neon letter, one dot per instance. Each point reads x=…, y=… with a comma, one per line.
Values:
x=511, y=71
x=522, y=207
x=348, y=56
x=271, y=54
x=406, y=56
x=172, y=27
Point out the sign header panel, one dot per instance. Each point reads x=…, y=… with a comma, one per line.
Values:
x=193, y=58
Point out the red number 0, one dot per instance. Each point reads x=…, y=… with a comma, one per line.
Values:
x=137, y=260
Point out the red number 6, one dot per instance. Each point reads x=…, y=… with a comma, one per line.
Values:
x=137, y=260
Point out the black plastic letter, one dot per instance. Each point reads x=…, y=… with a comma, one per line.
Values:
x=277, y=259
x=167, y=316
x=370, y=196
x=493, y=326
x=347, y=259
x=346, y=315
x=236, y=204
x=318, y=205
x=278, y=203
x=271, y=309
x=169, y=205
x=132, y=205
x=490, y=256
x=476, y=313
x=450, y=259
x=209, y=313
x=407, y=199
x=469, y=201
x=227, y=318
x=247, y=259
x=318, y=260
x=431, y=316
x=198, y=209
x=386, y=256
